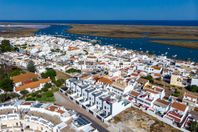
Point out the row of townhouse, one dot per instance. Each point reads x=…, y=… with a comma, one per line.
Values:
x=95, y=98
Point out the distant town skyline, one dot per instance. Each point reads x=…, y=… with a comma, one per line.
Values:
x=99, y=10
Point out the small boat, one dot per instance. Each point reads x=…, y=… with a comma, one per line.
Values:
x=174, y=56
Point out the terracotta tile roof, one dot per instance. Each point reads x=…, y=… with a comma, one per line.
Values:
x=52, y=108
x=157, y=75
x=72, y=48
x=178, y=106
x=61, y=111
x=156, y=67
x=105, y=80
x=151, y=91
x=24, y=77
x=134, y=93
x=174, y=117
x=27, y=103
x=32, y=85
x=163, y=102
x=142, y=81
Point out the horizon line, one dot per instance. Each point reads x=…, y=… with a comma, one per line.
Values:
x=100, y=20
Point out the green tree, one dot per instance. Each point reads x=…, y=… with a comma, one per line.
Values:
x=31, y=66
x=6, y=84
x=5, y=46
x=193, y=126
x=49, y=73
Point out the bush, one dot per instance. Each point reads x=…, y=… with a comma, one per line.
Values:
x=117, y=119
x=149, y=77
x=8, y=96
x=48, y=85
x=24, y=92
x=15, y=72
x=38, y=96
x=193, y=126
x=49, y=94
x=192, y=88
x=6, y=84
x=176, y=93
x=72, y=70
x=35, y=79
x=30, y=99
x=59, y=82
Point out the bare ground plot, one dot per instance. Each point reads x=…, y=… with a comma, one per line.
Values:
x=61, y=75
x=134, y=120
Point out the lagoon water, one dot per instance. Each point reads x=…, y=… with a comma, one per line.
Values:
x=134, y=44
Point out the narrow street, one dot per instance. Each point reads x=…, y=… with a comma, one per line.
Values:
x=68, y=104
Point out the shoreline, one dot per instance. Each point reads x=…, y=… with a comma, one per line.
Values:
x=188, y=44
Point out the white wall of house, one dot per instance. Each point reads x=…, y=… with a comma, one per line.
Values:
x=162, y=110
x=194, y=81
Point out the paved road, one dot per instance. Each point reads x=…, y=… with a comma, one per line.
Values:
x=68, y=104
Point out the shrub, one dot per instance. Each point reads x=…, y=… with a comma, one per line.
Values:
x=176, y=93
x=30, y=99
x=8, y=96
x=24, y=92
x=49, y=94
x=72, y=70
x=6, y=84
x=59, y=82
x=149, y=77
x=192, y=88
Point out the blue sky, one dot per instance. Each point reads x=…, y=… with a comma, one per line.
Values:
x=98, y=9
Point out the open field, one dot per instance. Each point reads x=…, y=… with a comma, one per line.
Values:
x=17, y=32
x=188, y=44
x=135, y=120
